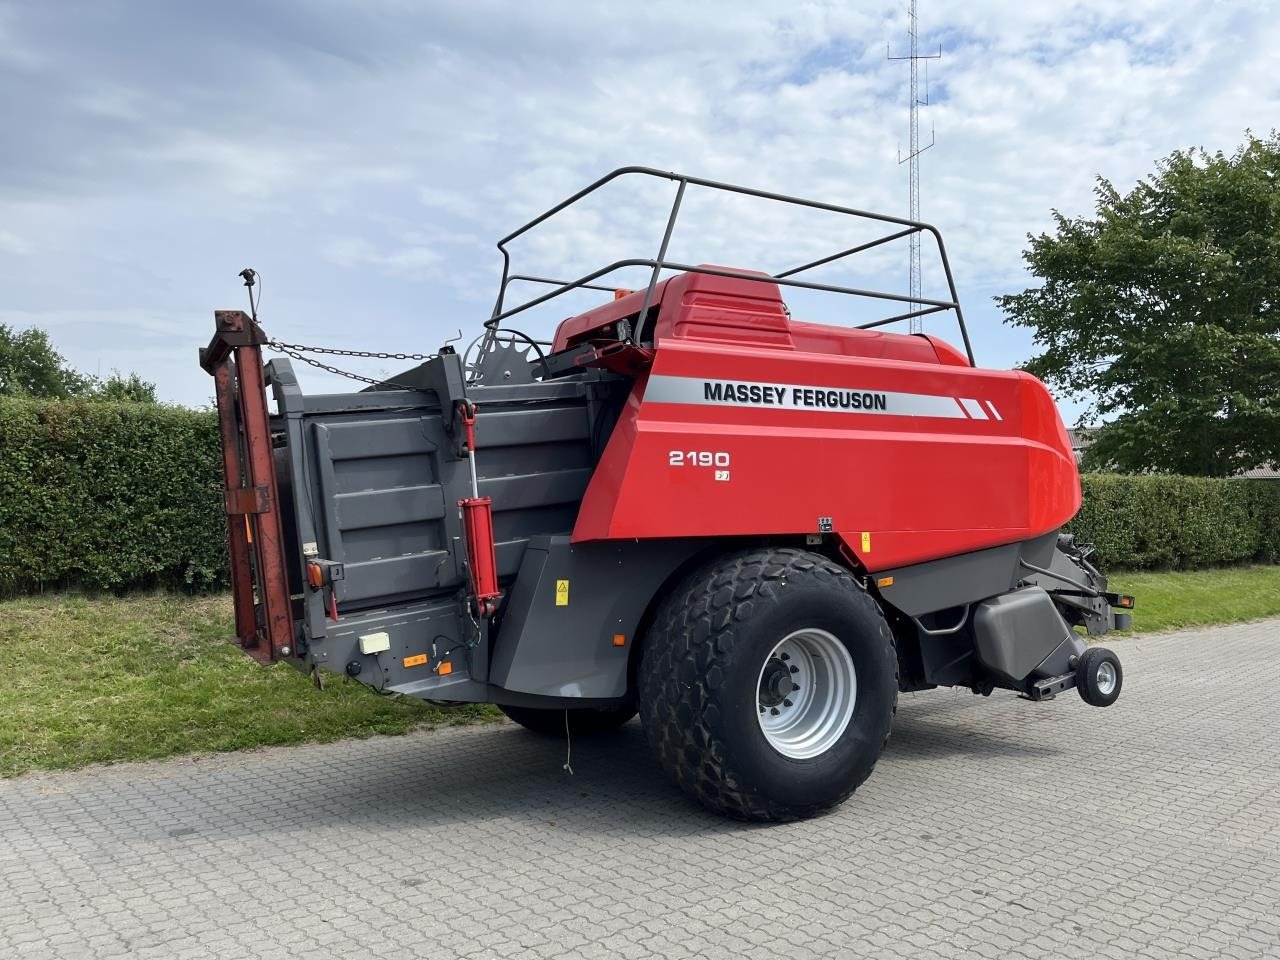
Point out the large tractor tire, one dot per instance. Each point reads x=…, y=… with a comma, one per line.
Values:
x=768, y=684
x=581, y=721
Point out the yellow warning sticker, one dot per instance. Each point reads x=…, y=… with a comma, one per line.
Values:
x=866, y=542
x=562, y=593
x=415, y=661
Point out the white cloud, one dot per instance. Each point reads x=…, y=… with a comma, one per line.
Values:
x=13, y=244
x=356, y=251
x=364, y=156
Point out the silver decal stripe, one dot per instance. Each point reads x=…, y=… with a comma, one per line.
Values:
x=994, y=411
x=974, y=409
x=795, y=396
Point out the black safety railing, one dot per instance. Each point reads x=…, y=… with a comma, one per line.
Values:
x=920, y=306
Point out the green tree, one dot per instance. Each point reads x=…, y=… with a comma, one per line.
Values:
x=117, y=387
x=1162, y=313
x=31, y=367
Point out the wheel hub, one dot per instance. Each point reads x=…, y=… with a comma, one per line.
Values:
x=806, y=693
x=1106, y=678
x=775, y=683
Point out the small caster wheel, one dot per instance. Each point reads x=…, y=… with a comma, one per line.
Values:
x=1099, y=677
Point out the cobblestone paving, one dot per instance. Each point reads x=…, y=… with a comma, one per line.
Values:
x=992, y=828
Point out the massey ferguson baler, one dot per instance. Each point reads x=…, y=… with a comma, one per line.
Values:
x=753, y=530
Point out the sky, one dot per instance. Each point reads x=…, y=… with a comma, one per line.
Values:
x=365, y=156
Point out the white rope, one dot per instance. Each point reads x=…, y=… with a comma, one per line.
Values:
x=568, y=745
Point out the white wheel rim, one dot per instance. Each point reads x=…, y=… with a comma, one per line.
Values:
x=1105, y=677
x=806, y=721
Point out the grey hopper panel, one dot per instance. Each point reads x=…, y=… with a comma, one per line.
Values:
x=1015, y=632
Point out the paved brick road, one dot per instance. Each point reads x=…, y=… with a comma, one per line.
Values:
x=992, y=828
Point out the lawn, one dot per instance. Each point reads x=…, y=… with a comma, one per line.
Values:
x=87, y=680
x=1196, y=598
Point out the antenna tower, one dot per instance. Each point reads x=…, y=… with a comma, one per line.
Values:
x=912, y=159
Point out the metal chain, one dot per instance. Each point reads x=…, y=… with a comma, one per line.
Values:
x=336, y=352
x=295, y=350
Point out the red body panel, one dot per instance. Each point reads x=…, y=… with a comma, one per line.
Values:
x=748, y=423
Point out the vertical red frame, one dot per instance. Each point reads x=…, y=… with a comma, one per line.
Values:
x=255, y=534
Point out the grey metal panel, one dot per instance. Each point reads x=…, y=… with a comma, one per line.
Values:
x=383, y=515
x=401, y=541
x=509, y=554
x=378, y=508
x=536, y=490
x=381, y=473
x=566, y=389
x=505, y=428
x=457, y=687
x=1041, y=550
x=954, y=581
x=345, y=403
x=1060, y=660
x=550, y=649
x=292, y=405
x=412, y=629
x=329, y=536
x=947, y=660
x=1016, y=631
x=378, y=477
x=393, y=576
x=532, y=457
x=367, y=439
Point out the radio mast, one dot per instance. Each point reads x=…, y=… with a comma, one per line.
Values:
x=912, y=159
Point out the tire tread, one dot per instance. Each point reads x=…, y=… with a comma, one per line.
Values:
x=678, y=671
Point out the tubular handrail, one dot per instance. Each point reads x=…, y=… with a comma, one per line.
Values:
x=660, y=263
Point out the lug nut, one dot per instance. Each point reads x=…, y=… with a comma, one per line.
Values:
x=785, y=656
x=773, y=711
x=795, y=687
x=786, y=703
x=794, y=668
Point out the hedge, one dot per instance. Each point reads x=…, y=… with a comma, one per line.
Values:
x=115, y=496
x=109, y=496
x=1171, y=522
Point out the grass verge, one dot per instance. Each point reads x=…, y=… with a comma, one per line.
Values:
x=99, y=680
x=87, y=680
x=1199, y=598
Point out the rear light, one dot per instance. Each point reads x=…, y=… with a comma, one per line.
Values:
x=322, y=573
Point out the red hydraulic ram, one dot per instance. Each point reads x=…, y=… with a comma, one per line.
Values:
x=477, y=525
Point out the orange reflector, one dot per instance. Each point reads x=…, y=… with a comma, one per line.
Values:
x=445, y=668
x=415, y=661
x=622, y=292
x=1126, y=601
x=248, y=529
x=885, y=582
x=619, y=640
x=315, y=575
